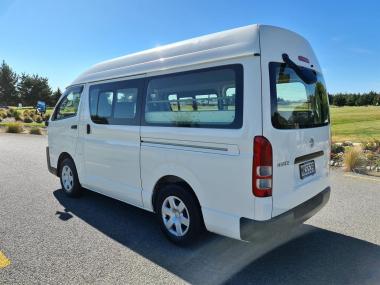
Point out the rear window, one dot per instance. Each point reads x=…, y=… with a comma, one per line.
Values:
x=296, y=104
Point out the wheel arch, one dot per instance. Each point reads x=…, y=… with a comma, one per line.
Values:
x=172, y=179
x=62, y=157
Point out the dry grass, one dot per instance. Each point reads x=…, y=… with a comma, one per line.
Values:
x=353, y=159
x=35, y=131
x=14, y=128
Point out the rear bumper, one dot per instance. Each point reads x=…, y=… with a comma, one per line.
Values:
x=251, y=230
x=50, y=168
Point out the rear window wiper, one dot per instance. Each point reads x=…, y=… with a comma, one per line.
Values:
x=309, y=76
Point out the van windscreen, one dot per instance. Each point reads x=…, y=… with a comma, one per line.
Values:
x=296, y=104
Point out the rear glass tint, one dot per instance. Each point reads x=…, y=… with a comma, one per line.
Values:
x=296, y=104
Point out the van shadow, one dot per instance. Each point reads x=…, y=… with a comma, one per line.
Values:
x=309, y=255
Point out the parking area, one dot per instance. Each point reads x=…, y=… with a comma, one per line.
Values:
x=49, y=238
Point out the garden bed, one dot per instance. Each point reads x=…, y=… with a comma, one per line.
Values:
x=361, y=158
x=23, y=120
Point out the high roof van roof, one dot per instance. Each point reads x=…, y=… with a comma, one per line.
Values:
x=227, y=44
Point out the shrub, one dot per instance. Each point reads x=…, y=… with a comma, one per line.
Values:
x=14, y=128
x=370, y=156
x=17, y=115
x=9, y=113
x=13, y=111
x=26, y=113
x=46, y=117
x=1, y=119
x=347, y=143
x=372, y=145
x=353, y=159
x=335, y=148
x=35, y=131
x=3, y=114
x=28, y=120
x=38, y=119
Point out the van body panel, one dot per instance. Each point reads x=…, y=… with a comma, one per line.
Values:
x=62, y=139
x=110, y=157
x=288, y=144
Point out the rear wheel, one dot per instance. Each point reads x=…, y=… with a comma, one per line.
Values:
x=69, y=178
x=179, y=214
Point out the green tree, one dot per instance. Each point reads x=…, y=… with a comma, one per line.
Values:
x=351, y=99
x=363, y=100
x=33, y=88
x=8, y=83
x=55, y=97
x=376, y=100
x=339, y=100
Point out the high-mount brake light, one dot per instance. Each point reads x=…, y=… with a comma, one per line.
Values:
x=304, y=59
x=262, y=168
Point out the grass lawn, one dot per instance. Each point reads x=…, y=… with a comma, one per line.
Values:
x=355, y=123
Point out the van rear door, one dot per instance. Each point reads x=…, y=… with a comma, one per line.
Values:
x=295, y=117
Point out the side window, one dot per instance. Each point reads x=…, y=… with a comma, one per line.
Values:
x=104, y=111
x=209, y=98
x=68, y=107
x=115, y=103
x=125, y=104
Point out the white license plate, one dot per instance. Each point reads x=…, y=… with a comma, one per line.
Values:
x=307, y=169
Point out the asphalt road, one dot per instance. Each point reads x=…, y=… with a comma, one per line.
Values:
x=52, y=239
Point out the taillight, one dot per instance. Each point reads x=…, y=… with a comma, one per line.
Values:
x=262, y=167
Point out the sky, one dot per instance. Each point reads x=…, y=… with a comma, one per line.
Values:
x=60, y=39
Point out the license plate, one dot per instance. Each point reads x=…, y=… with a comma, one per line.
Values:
x=307, y=169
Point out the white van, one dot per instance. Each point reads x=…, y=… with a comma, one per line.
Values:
x=228, y=131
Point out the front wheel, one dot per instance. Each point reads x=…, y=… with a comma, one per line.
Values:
x=69, y=178
x=179, y=214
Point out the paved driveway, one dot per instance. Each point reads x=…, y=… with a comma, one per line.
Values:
x=50, y=238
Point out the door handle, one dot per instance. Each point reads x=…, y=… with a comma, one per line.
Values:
x=88, y=129
x=74, y=127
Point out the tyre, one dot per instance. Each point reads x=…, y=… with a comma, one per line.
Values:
x=179, y=214
x=69, y=178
